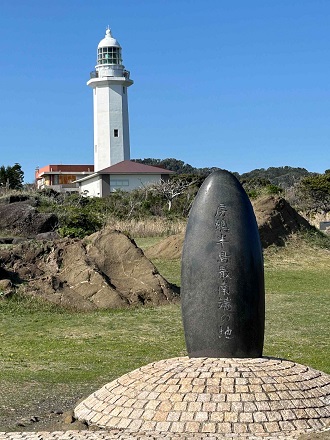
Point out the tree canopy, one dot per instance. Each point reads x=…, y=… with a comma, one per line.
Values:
x=11, y=177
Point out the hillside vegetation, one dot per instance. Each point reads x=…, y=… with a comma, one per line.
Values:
x=168, y=203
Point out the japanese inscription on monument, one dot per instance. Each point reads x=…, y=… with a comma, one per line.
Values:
x=225, y=302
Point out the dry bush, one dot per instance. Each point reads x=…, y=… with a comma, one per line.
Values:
x=314, y=218
x=149, y=227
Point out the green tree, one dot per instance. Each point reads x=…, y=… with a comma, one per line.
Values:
x=315, y=192
x=11, y=177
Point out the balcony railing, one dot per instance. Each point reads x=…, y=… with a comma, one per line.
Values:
x=95, y=74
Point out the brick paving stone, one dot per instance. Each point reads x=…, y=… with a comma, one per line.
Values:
x=236, y=407
x=192, y=426
x=250, y=407
x=217, y=416
x=200, y=416
x=194, y=406
x=272, y=426
x=160, y=416
x=233, y=397
x=230, y=417
x=173, y=416
x=190, y=416
x=223, y=406
x=256, y=428
x=177, y=427
x=177, y=397
x=274, y=416
x=209, y=406
x=260, y=416
x=163, y=426
x=263, y=406
x=165, y=406
x=153, y=404
x=245, y=417
x=190, y=397
x=204, y=398
x=247, y=397
x=208, y=427
x=180, y=406
x=123, y=423
x=240, y=428
x=285, y=425
x=147, y=415
x=224, y=428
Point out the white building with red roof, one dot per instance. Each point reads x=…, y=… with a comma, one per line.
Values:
x=126, y=176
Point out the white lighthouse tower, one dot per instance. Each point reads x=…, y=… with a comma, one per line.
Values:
x=110, y=82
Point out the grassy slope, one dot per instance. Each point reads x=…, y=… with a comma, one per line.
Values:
x=45, y=352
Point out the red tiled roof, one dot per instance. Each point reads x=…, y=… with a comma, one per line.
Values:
x=130, y=167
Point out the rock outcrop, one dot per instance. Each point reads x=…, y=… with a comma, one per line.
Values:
x=105, y=270
x=23, y=219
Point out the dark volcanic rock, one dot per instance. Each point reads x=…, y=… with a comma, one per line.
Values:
x=222, y=279
x=21, y=218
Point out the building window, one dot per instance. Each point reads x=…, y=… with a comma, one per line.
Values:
x=119, y=182
x=116, y=132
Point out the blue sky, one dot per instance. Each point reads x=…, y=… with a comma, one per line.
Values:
x=234, y=84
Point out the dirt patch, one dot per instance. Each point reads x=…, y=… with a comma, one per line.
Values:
x=169, y=248
x=277, y=220
x=34, y=407
x=105, y=270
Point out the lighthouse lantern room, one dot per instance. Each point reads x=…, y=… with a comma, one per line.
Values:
x=110, y=82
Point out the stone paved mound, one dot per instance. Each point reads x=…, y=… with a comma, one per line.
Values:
x=105, y=270
x=245, y=397
x=276, y=219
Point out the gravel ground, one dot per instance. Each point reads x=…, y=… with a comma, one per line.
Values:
x=38, y=412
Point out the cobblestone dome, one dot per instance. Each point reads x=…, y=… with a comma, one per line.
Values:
x=244, y=397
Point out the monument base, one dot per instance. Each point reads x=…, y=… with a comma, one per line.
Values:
x=232, y=397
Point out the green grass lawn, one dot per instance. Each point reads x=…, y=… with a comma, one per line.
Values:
x=43, y=348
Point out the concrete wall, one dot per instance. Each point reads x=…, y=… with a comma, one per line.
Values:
x=103, y=185
x=92, y=186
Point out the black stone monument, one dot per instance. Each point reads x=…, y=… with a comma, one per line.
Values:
x=222, y=279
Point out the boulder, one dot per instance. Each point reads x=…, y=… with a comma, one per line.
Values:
x=20, y=218
x=105, y=270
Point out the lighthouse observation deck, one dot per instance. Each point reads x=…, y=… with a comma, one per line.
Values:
x=95, y=74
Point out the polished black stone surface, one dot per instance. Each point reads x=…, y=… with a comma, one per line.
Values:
x=222, y=279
